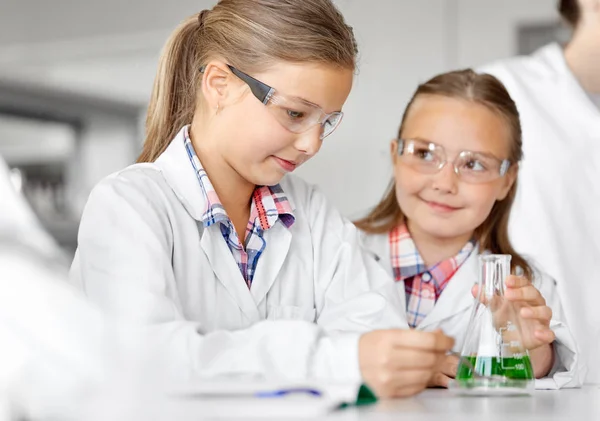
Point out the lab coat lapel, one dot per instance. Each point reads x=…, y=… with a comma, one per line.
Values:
x=278, y=239
x=227, y=271
x=179, y=173
x=457, y=296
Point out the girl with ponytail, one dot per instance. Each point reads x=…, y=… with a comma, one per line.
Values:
x=237, y=266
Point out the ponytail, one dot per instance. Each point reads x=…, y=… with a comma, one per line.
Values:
x=173, y=101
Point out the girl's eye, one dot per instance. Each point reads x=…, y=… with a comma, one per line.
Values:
x=475, y=165
x=424, y=154
x=294, y=115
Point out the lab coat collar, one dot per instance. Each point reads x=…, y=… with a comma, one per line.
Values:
x=175, y=166
x=457, y=296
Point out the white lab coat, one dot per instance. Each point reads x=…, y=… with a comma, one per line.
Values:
x=452, y=312
x=144, y=256
x=555, y=218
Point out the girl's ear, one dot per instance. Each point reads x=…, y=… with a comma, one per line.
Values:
x=394, y=150
x=216, y=84
x=508, y=180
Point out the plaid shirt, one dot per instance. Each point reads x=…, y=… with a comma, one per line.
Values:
x=423, y=286
x=269, y=204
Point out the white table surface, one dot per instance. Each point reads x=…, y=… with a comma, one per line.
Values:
x=548, y=405
x=431, y=405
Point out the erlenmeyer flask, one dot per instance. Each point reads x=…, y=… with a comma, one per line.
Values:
x=493, y=359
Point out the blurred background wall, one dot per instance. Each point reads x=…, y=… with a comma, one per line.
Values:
x=75, y=76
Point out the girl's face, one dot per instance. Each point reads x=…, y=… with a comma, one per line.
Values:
x=443, y=205
x=261, y=143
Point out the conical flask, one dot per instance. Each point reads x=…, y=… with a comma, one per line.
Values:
x=493, y=359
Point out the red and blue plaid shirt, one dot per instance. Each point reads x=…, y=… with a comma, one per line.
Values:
x=269, y=204
x=423, y=286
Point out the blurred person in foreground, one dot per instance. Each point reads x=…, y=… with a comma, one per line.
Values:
x=61, y=357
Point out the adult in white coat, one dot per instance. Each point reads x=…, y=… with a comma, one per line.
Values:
x=455, y=167
x=555, y=217
x=234, y=266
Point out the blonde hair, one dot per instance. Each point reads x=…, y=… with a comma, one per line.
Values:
x=249, y=35
x=570, y=10
x=482, y=89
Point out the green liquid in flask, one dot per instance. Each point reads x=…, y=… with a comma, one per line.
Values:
x=515, y=368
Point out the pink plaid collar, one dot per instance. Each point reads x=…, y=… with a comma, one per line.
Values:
x=407, y=261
